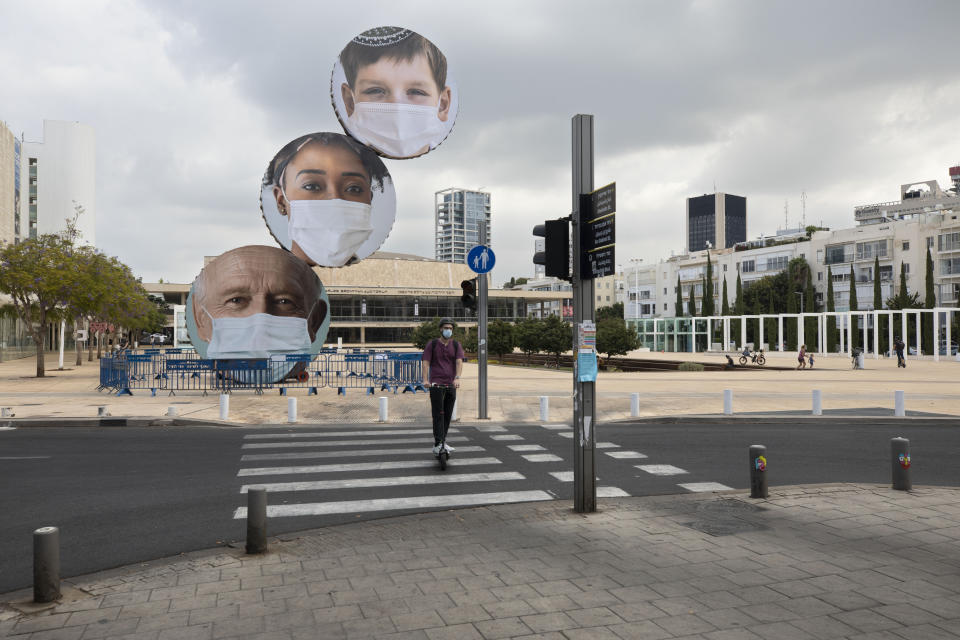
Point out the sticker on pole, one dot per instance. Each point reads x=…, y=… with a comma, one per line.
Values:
x=481, y=259
x=761, y=463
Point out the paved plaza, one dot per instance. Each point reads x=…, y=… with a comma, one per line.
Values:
x=514, y=393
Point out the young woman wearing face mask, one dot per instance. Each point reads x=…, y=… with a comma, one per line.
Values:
x=323, y=184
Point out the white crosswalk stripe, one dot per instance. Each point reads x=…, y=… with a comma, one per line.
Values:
x=349, y=454
x=661, y=469
x=360, y=466
x=344, y=443
x=542, y=457
x=508, y=436
x=355, y=483
x=335, y=434
x=394, y=504
x=624, y=454
x=525, y=447
x=700, y=487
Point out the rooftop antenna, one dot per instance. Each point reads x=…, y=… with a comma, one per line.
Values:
x=786, y=214
x=803, y=207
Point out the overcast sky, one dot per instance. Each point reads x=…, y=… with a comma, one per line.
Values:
x=764, y=99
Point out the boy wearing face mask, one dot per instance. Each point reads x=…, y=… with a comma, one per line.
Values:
x=442, y=363
x=396, y=95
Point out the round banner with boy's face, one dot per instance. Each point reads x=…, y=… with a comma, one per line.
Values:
x=391, y=90
x=257, y=302
x=328, y=199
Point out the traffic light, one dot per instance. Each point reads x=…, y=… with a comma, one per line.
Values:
x=469, y=297
x=556, y=244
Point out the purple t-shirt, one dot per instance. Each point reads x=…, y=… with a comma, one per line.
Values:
x=443, y=360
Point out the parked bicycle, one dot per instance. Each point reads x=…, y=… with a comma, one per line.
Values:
x=756, y=357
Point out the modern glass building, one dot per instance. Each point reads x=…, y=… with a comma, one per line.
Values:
x=456, y=214
x=716, y=220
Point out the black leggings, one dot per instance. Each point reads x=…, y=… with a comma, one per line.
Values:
x=441, y=404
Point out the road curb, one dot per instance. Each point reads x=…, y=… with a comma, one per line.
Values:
x=120, y=421
x=775, y=419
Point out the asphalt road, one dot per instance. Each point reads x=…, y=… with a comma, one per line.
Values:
x=125, y=495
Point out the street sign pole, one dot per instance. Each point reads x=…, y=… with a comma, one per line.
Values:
x=584, y=393
x=482, y=331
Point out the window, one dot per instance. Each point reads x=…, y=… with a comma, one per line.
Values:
x=748, y=266
x=664, y=306
x=608, y=298
x=724, y=268
x=949, y=241
x=906, y=246
x=950, y=266
x=599, y=298
x=839, y=253
x=930, y=242
x=664, y=291
x=872, y=249
x=906, y=268
x=819, y=276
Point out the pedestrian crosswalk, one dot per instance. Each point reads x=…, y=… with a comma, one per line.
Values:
x=319, y=472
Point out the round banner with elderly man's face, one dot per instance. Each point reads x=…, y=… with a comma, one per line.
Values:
x=328, y=199
x=257, y=302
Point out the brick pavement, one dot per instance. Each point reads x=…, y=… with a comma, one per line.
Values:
x=811, y=562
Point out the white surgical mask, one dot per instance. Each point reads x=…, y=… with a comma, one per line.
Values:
x=260, y=335
x=329, y=231
x=397, y=129
x=446, y=333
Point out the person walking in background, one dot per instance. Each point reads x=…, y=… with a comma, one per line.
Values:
x=810, y=359
x=899, y=346
x=802, y=357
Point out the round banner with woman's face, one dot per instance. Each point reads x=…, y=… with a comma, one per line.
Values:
x=391, y=90
x=257, y=302
x=328, y=199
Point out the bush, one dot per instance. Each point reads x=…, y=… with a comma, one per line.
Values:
x=690, y=366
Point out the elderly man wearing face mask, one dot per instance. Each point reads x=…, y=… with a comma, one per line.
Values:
x=255, y=302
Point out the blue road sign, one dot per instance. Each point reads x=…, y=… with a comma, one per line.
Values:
x=481, y=259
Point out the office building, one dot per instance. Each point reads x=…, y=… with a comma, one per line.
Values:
x=60, y=174
x=9, y=185
x=716, y=220
x=457, y=213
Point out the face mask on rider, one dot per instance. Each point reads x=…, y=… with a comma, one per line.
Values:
x=447, y=333
x=260, y=335
x=399, y=130
x=329, y=232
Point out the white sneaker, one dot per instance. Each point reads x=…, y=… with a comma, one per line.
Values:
x=447, y=448
x=436, y=450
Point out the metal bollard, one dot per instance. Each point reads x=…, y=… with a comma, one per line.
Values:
x=291, y=409
x=102, y=412
x=900, y=462
x=171, y=411
x=383, y=408
x=898, y=404
x=758, y=471
x=634, y=405
x=544, y=408
x=728, y=402
x=224, y=406
x=256, y=520
x=46, y=564
x=817, y=402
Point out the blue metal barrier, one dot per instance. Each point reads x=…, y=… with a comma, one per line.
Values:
x=175, y=370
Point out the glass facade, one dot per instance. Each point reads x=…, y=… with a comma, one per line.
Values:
x=458, y=213
x=735, y=220
x=701, y=222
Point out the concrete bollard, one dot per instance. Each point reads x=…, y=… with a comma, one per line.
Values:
x=256, y=520
x=758, y=471
x=46, y=564
x=634, y=405
x=171, y=411
x=817, y=402
x=291, y=410
x=224, y=406
x=384, y=416
x=6, y=412
x=102, y=412
x=900, y=463
x=728, y=402
x=898, y=404
x=544, y=408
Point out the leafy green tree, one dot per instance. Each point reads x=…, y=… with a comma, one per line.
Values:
x=527, y=336
x=613, y=311
x=831, y=320
x=556, y=337
x=470, y=339
x=425, y=332
x=854, y=306
x=614, y=338
x=678, y=305
x=929, y=302
x=707, y=305
x=500, y=338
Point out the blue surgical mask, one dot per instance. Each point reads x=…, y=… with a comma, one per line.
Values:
x=447, y=333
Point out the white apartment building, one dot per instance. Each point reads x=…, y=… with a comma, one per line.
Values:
x=901, y=235
x=57, y=174
x=457, y=214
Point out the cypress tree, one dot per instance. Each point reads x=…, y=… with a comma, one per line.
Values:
x=738, y=309
x=790, y=324
x=692, y=305
x=855, y=335
x=679, y=303
x=809, y=306
x=725, y=301
x=769, y=332
x=831, y=320
x=707, y=304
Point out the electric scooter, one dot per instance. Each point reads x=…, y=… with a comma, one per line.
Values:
x=444, y=454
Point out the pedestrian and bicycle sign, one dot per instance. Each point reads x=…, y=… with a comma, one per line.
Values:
x=598, y=232
x=481, y=259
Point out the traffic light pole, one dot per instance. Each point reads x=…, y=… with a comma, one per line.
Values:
x=584, y=393
x=482, y=332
